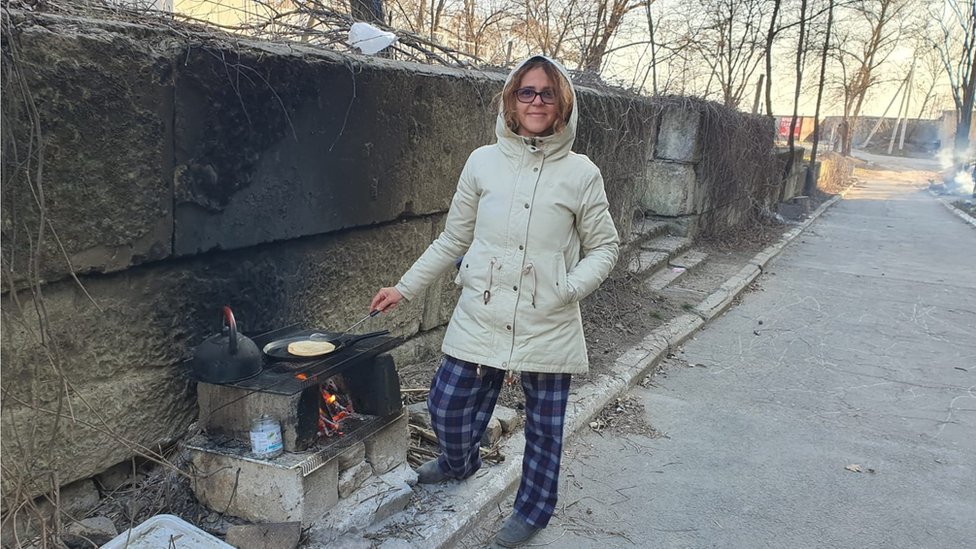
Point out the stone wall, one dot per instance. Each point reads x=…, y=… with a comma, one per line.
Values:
x=711, y=167
x=182, y=172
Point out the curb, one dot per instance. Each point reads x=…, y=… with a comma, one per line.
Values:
x=959, y=213
x=481, y=495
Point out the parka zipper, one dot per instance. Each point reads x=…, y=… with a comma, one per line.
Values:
x=491, y=269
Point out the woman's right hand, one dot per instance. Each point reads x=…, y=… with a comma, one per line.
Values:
x=385, y=299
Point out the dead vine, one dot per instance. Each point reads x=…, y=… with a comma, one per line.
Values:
x=32, y=466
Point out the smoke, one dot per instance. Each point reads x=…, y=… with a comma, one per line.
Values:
x=957, y=181
x=961, y=183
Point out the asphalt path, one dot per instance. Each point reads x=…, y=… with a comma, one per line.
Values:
x=834, y=407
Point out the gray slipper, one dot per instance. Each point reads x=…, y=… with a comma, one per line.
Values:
x=430, y=473
x=515, y=531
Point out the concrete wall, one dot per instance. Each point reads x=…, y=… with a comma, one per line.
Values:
x=182, y=173
x=920, y=134
x=711, y=166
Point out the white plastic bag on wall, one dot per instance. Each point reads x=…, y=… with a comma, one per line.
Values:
x=369, y=39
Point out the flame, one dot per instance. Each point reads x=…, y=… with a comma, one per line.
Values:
x=331, y=412
x=301, y=377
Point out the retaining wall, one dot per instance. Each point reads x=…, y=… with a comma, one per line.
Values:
x=182, y=172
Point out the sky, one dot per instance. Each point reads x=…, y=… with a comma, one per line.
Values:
x=620, y=66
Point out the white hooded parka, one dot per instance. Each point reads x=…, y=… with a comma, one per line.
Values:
x=531, y=219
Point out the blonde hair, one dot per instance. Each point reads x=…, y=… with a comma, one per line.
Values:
x=561, y=87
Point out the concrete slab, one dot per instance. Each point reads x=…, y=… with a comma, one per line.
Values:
x=647, y=262
x=676, y=268
x=670, y=189
x=672, y=245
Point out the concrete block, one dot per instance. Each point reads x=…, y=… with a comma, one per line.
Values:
x=322, y=149
x=672, y=245
x=354, y=477
x=90, y=532
x=378, y=499
x=351, y=456
x=230, y=410
x=647, y=262
x=493, y=432
x=644, y=229
x=670, y=189
x=396, y=543
x=282, y=535
x=509, y=418
x=106, y=108
x=419, y=414
x=387, y=448
x=677, y=267
x=117, y=476
x=678, y=135
x=76, y=501
x=276, y=490
x=421, y=347
x=339, y=540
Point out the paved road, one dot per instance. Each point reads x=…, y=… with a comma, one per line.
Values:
x=858, y=352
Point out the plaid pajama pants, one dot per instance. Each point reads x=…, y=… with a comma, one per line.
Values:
x=460, y=405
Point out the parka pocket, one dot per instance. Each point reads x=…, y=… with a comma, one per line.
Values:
x=559, y=278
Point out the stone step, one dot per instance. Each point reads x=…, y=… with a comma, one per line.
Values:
x=644, y=229
x=646, y=262
x=675, y=268
x=671, y=245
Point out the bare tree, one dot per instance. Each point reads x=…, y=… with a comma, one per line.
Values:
x=768, y=54
x=366, y=10
x=956, y=44
x=800, y=45
x=730, y=42
x=871, y=31
x=603, y=19
x=810, y=183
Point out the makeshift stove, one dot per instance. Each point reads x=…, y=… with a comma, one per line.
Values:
x=342, y=421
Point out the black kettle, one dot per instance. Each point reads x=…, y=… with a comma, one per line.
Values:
x=228, y=356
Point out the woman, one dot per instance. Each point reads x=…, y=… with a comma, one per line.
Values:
x=532, y=221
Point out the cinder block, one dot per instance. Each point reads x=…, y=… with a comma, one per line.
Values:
x=387, y=448
x=493, y=432
x=354, y=477
x=289, y=488
x=352, y=456
x=230, y=410
x=508, y=417
x=265, y=536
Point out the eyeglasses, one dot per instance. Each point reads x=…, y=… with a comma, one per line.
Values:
x=528, y=95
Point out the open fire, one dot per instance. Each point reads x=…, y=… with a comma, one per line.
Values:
x=334, y=408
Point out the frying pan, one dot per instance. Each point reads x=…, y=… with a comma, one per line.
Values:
x=278, y=349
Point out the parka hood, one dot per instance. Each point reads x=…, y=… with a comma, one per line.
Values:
x=552, y=146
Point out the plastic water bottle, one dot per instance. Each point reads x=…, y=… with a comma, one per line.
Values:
x=266, y=438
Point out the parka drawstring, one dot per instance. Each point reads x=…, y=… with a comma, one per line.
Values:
x=530, y=269
x=491, y=269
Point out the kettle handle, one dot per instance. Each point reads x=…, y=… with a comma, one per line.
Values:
x=228, y=319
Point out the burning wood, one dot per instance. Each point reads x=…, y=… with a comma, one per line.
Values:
x=332, y=411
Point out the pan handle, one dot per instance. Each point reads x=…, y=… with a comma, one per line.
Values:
x=358, y=338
